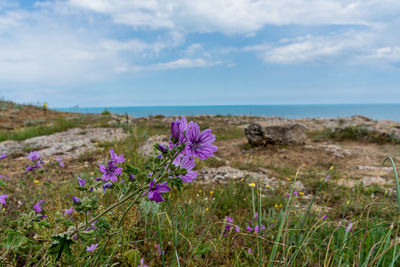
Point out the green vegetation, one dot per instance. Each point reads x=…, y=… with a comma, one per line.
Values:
x=59, y=125
x=325, y=225
x=357, y=133
x=62, y=124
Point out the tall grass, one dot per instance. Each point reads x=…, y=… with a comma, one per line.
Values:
x=60, y=125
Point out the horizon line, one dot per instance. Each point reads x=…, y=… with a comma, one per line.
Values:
x=223, y=105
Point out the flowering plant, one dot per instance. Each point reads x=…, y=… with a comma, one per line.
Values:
x=170, y=168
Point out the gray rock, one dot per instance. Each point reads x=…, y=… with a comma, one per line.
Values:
x=283, y=134
x=70, y=143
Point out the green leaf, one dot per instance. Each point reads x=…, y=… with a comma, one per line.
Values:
x=15, y=240
x=2, y=184
x=133, y=257
x=61, y=243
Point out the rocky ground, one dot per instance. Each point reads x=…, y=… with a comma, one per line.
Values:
x=356, y=159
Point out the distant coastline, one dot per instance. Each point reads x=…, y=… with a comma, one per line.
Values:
x=374, y=111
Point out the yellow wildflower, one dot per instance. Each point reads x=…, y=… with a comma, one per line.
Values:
x=301, y=193
x=244, y=199
x=200, y=191
x=276, y=205
x=289, y=179
x=268, y=186
x=206, y=209
x=252, y=184
x=280, y=205
x=211, y=192
x=36, y=181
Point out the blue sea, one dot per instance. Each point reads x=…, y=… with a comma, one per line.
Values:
x=374, y=111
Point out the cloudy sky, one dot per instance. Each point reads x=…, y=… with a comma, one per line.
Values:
x=199, y=52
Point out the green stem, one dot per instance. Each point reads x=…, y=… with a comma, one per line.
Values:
x=174, y=232
x=160, y=240
x=396, y=178
x=259, y=226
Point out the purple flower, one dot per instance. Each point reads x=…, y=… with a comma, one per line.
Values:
x=159, y=250
x=93, y=226
x=131, y=176
x=287, y=195
x=3, y=199
x=69, y=211
x=142, y=263
x=200, y=144
x=324, y=217
x=249, y=250
x=349, y=227
x=75, y=199
x=98, y=179
x=29, y=168
x=295, y=193
x=186, y=162
x=256, y=215
x=229, y=219
x=155, y=191
x=249, y=229
x=237, y=229
x=61, y=163
x=228, y=227
x=92, y=247
x=162, y=148
x=2, y=156
x=37, y=206
x=110, y=171
x=178, y=128
x=34, y=156
x=82, y=182
x=327, y=177
x=115, y=158
x=256, y=228
x=106, y=185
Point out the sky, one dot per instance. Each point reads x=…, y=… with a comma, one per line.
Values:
x=96, y=53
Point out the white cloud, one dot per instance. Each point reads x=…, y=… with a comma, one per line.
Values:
x=315, y=49
x=68, y=41
x=171, y=65
x=239, y=16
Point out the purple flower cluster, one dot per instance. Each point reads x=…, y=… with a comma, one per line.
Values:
x=228, y=225
x=2, y=156
x=256, y=228
x=3, y=199
x=60, y=162
x=37, y=206
x=195, y=143
x=81, y=182
x=69, y=211
x=37, y=162
x=111, y=171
